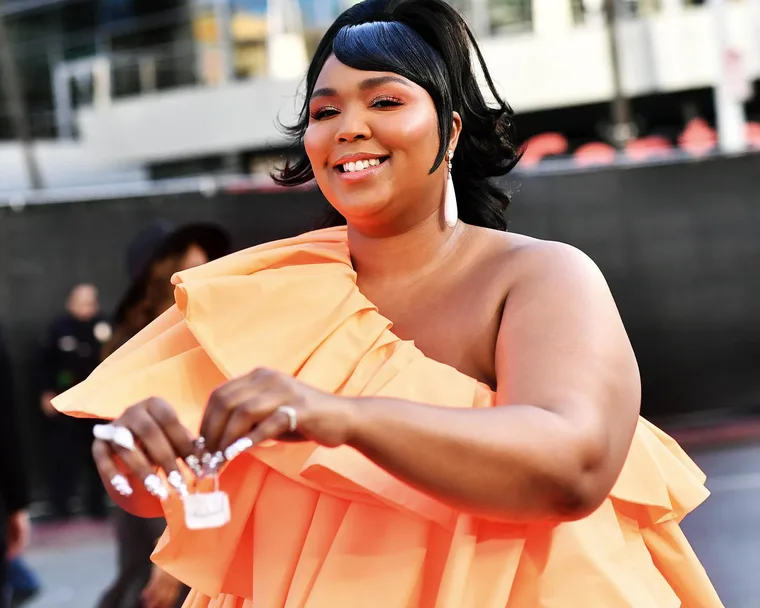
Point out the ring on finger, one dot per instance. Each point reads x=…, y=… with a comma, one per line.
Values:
x=292, y=417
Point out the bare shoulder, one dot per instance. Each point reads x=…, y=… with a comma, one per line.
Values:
x=529, y=261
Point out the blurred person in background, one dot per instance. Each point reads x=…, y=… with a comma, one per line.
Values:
x=71, y=351
x=153, y=257
x=23, y=583
x=14, y=492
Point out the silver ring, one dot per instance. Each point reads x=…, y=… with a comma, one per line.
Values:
x=292, y=417
x=115, y=434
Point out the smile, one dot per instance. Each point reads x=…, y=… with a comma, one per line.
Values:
x=361, y=165
x=360, y=169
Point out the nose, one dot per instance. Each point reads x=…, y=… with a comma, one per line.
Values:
x=352, y=127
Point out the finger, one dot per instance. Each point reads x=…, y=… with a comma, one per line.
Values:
x=224, y=400
x=178, y=435
x=138, y=462
x=218, y=410
x=277, y=424
x=156, y=450
x=109, y=472
x=253, y=410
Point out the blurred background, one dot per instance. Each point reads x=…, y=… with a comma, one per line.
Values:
x=641, y=126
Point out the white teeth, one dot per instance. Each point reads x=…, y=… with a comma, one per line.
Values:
x=361, y=165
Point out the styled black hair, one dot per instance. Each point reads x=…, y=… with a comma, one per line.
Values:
x=429, y=43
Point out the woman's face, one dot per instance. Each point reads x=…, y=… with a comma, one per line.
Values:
x=372, y=139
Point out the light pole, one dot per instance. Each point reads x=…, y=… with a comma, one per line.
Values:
x=14, y=100
x=731, y=89
x=622, y=127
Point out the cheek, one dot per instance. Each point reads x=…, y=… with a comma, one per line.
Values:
x=316, y=142
x=414, y=134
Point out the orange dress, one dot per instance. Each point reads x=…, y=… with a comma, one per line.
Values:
x=326, y=528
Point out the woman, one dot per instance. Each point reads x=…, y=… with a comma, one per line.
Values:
x=485, y=453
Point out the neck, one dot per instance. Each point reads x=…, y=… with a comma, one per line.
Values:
x=404, y=257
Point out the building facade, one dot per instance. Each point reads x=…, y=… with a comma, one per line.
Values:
x=193, y=83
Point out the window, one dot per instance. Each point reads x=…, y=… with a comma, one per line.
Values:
x=510, y=14
x=582, y=9
x=495, y=16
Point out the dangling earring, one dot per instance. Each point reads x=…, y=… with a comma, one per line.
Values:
x=450, y=211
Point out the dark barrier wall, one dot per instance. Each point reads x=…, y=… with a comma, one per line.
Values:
x=679, y=245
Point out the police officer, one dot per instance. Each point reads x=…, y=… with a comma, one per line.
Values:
x=72, y=350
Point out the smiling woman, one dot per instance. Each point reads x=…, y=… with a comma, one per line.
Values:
x=485, y=453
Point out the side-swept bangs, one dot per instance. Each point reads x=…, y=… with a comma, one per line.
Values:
x=390, y=46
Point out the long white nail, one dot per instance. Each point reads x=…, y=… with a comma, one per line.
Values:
x=237, y=448
x=178, y=483
x=194, y=463
x=156, y=487
x=121, y=485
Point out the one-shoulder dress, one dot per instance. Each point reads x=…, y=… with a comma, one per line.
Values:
x=314, y=527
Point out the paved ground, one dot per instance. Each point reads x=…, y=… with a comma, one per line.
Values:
x=724, y=531
x=77, y=561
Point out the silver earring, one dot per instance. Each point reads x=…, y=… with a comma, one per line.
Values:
x=450, y=211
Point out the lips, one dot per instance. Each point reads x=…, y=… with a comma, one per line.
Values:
x=356, y=169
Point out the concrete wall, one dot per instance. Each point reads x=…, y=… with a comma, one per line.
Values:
x=63, y=165
x=678, y=244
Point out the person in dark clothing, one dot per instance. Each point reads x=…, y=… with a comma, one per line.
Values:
x=14, y=492
x=23, y=583
x=153, y=257
x=72, y=350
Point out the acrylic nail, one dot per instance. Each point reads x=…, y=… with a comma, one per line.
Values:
x=156, y=487
x=237, y=448
x=194, y=464
x=176, y=480
x=121, y=485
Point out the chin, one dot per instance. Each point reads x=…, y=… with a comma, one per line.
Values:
x=359, y=206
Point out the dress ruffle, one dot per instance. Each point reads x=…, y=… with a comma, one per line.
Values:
x=315, y=527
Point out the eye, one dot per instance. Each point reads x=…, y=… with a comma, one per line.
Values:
x=324, y=112
x=386, y=101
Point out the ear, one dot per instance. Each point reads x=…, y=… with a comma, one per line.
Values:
x=456, y=131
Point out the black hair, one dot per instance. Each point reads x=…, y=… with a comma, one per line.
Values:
x=429, y=43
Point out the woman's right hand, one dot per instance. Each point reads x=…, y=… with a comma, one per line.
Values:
x=129, y=475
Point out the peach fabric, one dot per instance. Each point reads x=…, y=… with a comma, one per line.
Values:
x=326, y=528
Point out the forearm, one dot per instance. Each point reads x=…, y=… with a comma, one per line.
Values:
x=513, y=463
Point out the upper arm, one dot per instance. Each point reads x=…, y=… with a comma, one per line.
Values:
x=562, y=347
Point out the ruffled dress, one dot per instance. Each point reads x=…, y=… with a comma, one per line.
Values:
x=326, y=528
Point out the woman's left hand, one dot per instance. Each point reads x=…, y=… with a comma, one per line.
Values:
x=254, y=408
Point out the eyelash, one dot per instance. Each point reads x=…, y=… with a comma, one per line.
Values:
x=328, y=111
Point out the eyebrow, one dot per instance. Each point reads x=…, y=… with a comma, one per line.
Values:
x=365, y=85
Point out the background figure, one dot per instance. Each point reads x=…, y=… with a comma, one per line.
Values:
x=14, y=494
x=153, y=257
x=22, y=583
x=72, y=350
